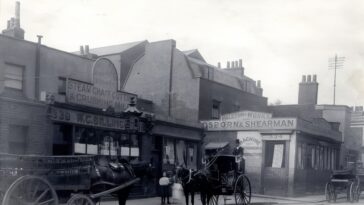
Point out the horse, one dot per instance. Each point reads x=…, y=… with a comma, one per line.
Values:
x=192, y=182
x=107, y=175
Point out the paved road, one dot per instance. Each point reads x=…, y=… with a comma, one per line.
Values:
x=256, y=200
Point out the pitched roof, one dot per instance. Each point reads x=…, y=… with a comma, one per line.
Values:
x=107, y=50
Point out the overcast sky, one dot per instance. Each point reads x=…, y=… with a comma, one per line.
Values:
x=279, y=41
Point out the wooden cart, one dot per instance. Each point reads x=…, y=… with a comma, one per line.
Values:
x=45, y=180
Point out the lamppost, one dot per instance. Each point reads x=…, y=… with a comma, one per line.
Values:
x=132, y=122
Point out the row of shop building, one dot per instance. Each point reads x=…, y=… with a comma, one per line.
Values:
x=151, y=102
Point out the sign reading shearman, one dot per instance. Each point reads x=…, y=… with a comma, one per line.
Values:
x=250, y=124
x=86, y=94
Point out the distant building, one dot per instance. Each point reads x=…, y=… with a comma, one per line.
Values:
x=357, y=129
x=288, y=149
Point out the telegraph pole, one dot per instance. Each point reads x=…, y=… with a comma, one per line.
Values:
x=336, y=63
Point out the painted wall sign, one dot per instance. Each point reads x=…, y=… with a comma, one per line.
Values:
x=276, y=137
x=246, y=115
x=87, y=94
x=250, y=124
x=250, y=139
x=82, y=118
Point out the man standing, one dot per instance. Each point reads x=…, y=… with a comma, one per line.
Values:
x=239, y=152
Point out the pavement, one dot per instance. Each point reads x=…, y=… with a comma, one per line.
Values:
x=255, y=200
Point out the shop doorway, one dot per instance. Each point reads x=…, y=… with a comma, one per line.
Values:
x=275, y=167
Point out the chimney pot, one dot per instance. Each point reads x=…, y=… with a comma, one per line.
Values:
x=308, y=78
x=87, y=50
x=82, y=51
x=303, y=79
x=240, y=63
x=219, y=65
x=314, y=78
x=228, y=64
x=258, y=84
x=39, y=39
x=236, y=64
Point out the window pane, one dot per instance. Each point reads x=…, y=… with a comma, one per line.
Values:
x=13, y=76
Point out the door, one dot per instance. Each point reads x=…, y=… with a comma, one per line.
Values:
x=275, y=167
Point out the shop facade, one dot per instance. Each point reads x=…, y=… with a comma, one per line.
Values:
x=283, y=156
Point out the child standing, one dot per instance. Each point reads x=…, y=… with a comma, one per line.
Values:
x=164, y=184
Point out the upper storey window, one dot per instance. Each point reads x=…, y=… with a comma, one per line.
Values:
x=215, y=114
x=14, y=75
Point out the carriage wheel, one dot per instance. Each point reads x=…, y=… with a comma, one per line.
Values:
x=354, y=192
x=242, y=190
x=30, y=190
x=330, y=192
x=80, y=199
x=214, y=200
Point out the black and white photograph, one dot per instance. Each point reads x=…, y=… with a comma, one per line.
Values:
x=182, y=102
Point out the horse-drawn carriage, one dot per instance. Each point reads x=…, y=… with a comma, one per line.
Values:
x=221, y=176
x=50, y=180
x=342, y=181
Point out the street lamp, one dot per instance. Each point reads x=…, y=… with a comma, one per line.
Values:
x=132, y=122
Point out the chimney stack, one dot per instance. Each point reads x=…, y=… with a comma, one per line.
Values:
x=87, y=50
x=308, y=90
x=13, y=26
x=39, y=39
x=219, y=65
x=228, y=64
x=240, y=63
x=82, y=51
x=258, y=84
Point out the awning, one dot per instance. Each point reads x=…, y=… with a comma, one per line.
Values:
x=215, y=145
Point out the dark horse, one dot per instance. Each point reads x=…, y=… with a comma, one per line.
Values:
x=192, y=182
x=107, y=175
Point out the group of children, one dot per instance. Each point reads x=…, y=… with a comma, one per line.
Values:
x=168, y=186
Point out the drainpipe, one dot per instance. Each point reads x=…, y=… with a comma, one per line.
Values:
x=37, y=67
x=171, y=79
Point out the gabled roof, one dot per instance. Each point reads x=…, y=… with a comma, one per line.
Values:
x=108, y=50
x=194, y=53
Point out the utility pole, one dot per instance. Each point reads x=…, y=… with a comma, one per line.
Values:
x=336, y=63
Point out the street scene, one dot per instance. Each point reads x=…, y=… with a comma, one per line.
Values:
x=200, y=102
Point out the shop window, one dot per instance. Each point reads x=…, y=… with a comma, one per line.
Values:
x=17, y=139
x=168, y=153
x=181, y=155
x=215, y=109
x=275, y=154
x=14, y=76
x=62, y=139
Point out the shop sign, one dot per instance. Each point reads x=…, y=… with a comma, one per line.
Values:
x=276, y=137
x=81, y=93
x=250, y=124
x=82, y=118
x=250, y=139
x=246, y=115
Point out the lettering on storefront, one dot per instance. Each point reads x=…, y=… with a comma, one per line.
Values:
x=86, y=94
x=246, y=115
x=250, y=124
x=276, y=137
x=249, y=139
x=82, y=118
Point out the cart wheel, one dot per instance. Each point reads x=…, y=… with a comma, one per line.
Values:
x=242, y=190
x=354, y=192
x=214, y=200
x=30, y=190
x=330, y=192
x=80, y=199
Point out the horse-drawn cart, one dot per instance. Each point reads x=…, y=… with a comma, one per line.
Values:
x=342, y=181
x=47, y=180
x=227, y=178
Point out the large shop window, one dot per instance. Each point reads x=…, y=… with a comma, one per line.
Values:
x=17, y=139
x=14, y=76
x=180, y=152
x=275, y=154
x=109, y=143
x=313, y=156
